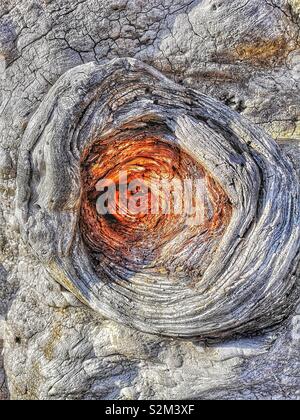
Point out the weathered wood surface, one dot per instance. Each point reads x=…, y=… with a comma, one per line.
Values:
x=246, y=55
x=197, y=286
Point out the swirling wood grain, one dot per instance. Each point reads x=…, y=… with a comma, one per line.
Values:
x=234, y=276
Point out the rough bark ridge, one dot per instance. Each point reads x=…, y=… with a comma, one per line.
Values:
x=246, y=55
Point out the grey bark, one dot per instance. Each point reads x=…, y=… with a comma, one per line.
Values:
x=245, y=54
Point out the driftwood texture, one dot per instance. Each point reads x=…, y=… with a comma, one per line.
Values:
x=249, y=282
x=229, y=331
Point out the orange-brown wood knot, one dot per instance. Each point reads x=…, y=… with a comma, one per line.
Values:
x=152, y=193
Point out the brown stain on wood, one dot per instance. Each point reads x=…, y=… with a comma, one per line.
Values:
x=295, y=4
x=55, y=336
x=262, y=52
x=29, y=390
x=34, y=382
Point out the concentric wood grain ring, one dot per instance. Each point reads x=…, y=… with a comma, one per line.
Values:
x=231, y=274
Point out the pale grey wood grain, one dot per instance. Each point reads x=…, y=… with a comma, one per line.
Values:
x=245, y=54
x=249, y=284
